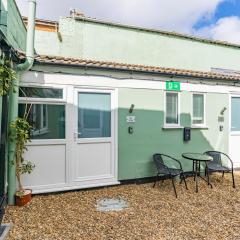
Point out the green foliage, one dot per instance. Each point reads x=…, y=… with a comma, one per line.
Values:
x=20, y=132
x=7, y=77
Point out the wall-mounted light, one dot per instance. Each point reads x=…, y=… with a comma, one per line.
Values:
x=131, y=108
x=223, y=110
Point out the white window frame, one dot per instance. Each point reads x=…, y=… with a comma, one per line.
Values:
x=233, y=95
x=43, y=129
x=46, y=101
x=200, y=125
x=172, y=125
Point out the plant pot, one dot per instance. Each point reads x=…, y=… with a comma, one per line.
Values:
x=23, y=197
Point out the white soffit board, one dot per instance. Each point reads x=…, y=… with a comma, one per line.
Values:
x=39, y=78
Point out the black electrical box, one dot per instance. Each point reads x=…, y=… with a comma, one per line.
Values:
x=187, y=134
x=130, y=130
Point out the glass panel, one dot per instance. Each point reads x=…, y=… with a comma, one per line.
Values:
x=198, y=108
x=40, y=92
x=94, y=115
x=48, y=121
x=171, y=108
x=235, y=115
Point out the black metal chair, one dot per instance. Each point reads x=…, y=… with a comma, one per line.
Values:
x=166, y=172
x=217, y=165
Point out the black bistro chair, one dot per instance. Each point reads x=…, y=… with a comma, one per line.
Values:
x=217, y=165
x=167, y=172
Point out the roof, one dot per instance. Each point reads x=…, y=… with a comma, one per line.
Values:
x=54, y=24
x=86, y=63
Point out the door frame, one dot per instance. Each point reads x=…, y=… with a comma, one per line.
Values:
x=231, y=94
x=113, y=179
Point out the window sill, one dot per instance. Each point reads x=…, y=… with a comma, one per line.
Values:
x=172, y=127
x=199, y=127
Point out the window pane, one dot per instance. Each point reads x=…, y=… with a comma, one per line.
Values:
x=198, y=108
x=48, y=121
x=94, y=115
x=40, y=92
x=172, y=108
x=235, y=115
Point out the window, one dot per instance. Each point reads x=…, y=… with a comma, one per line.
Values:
x=94, y=115
x=198, y=109
x=46, y=111
x=39, y=119
x=47, y=121
x=172, y=109
x=34, y=92
x=235, y=116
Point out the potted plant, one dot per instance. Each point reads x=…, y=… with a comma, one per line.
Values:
x=20, y=131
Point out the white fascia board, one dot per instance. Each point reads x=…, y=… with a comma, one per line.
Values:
x=39, y=78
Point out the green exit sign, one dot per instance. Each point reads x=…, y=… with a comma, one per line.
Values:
x=173, y=86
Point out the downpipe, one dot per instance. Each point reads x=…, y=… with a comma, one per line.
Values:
x=13, y=97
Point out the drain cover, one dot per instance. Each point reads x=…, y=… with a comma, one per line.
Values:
x=111, y=204
x=4, y=229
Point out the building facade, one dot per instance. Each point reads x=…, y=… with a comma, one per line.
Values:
x=112, y=116
x=103, y=98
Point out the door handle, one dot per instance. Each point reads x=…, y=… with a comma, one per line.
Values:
x=75, y=135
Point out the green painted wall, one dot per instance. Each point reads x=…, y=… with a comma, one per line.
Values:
x=3, y=17
x=16, y=31
x=135, y=151
x=91, y=40
x=41, y=40
x=11, y=24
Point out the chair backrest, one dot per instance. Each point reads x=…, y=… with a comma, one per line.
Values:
x=216, y=156
x=159, y=163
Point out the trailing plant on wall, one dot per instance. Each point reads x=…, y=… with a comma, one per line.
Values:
x=20, y=132
x=7, y=77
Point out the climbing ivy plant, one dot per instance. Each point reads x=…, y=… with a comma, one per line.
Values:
x=7, y=77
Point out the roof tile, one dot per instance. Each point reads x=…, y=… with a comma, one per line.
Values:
x=131, y=67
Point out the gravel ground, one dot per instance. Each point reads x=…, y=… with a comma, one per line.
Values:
x=153, y=213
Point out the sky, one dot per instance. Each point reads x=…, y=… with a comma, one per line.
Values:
x=214, y=19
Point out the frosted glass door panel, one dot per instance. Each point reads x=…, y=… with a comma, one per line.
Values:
x=94, y=115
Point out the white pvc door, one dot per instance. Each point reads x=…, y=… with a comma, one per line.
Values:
x=94, y=162
x=234, y=143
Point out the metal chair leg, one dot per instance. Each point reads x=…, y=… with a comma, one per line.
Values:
x=233, y=179
x=185, y=183
x=223, y=174
x=182, y=176
x=174, y=187
x=208, y=178
x=156, y=178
